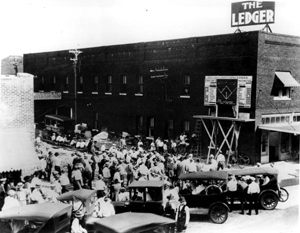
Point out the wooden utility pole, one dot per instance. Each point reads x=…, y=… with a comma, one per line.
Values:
x=75, y=60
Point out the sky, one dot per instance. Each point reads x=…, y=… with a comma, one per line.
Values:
x=31, y=26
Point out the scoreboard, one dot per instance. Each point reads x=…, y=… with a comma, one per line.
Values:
x=228, y=90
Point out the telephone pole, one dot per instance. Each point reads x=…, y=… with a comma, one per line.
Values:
x=75, y=60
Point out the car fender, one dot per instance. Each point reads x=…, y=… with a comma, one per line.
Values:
x=219, y=203
x=268, y=191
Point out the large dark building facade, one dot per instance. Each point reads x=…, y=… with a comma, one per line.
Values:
x=158, y=89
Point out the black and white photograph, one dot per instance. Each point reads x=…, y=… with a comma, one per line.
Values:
x=141, y=116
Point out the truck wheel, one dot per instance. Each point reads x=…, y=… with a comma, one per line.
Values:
x=218, y=214
x=269, y=201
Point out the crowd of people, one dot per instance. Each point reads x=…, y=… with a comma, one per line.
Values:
x=110, y=170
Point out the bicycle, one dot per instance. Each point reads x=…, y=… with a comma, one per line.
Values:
x=283, y=195
x=240, y=160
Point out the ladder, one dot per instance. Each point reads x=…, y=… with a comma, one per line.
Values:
x=196, y=150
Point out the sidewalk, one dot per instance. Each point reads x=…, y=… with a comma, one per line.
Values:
x=288, y=173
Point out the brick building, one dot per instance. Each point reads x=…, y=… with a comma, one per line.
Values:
x=158, y=89
x=17, y=131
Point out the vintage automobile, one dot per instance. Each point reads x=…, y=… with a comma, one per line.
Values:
x=145, y=196
x=39, y=218
x=86, y=196
x=130, y=223
x=268, y=197
x=214, y=197
x=59, y=124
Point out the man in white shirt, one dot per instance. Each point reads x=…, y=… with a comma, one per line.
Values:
x=221, y=161
x=231, y=189
x=253, y=192
x=10, y=200
x=191, y=166
x=106, y=209
x=38, y=195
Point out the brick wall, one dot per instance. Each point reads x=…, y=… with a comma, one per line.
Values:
x=255, y=54
x=17, y=102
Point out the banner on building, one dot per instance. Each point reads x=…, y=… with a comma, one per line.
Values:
x=229, y=90
x=47, y=95
x=252, y=13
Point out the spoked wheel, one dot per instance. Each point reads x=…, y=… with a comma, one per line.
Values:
x=283, y=195
x=269, y=201
x=218, y=214
x=246, y=160
x=241, y=163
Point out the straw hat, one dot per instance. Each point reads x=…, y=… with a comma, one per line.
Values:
x=78, y=214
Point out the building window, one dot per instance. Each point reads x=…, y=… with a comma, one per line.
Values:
x=286, y=118
x=139, y=125
x=80, y=86
x=66, y=84
x=186, y=126
x=108, y=88
x=283, y=82
x=140, y=88
x=96, y=120
x=186, y=85
x=171, y=124
x=96, y=84
x=150, y=126
x=282, y=93
x=53, y=83
x=123, y=84
x=42, y=84
x=264, y=142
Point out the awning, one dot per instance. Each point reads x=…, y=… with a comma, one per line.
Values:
x=292, y=128
x=17, y=151
x=287, y=79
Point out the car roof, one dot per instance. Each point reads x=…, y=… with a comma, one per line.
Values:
x=81, y=194
x=129, y=222
x=59, y=118
x=146, y=184
x=208, y=175
x=35, y=212
x=255, y=171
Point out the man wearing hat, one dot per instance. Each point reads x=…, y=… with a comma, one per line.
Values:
x=38, y=194
x=242, y=191
x=100, y=186
x=253, y=192
x=231, y=189
x=182, y=215
x=76, y=227
x=22, y=194
x=213, y=162
x=10, y=200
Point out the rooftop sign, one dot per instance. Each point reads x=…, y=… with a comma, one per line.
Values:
x=252, y=13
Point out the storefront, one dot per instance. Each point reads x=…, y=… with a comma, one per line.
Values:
x=280, y=136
